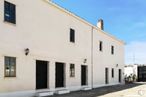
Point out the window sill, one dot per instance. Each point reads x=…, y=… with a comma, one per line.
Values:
x=9, y=23
x=72, y=42
x=10, y=78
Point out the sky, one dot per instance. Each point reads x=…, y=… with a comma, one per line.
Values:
x=125, y=19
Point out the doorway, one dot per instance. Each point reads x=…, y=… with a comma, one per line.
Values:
x=83, y=75
x=106, y=76
x=59, y=81
x=120, y=74
x=41, y=74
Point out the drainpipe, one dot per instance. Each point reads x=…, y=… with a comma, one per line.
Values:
x=92, y=57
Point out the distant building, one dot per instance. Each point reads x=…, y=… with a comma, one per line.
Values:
x=130, y=69
x=141, y=73
x=137, y=69
x=45, y=48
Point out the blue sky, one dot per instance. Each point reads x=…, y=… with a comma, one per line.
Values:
x=125, y=19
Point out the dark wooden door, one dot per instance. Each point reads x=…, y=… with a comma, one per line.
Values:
x=59, y=75
x=106, y=76
x=41, y=74
x=120, y=75
x=83, y=75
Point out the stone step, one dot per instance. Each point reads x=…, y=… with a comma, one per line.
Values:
x=87, y=88
x=62, y=91
x=46, y=93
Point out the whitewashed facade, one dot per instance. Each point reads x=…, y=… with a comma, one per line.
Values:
x=130, y=69
x=44, y=28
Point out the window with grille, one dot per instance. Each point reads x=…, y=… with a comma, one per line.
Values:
x=72, y=70
x=10, y=67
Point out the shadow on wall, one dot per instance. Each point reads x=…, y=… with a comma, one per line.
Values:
x=99, y=91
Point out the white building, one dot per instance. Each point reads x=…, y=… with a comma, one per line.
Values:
x=130, y=69
x=44, y=47
x=137, y=69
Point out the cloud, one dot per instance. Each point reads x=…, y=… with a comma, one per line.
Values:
x=136, y=52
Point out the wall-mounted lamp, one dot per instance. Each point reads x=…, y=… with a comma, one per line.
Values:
x=26, y=51
x=117, y=65
x=85, y=61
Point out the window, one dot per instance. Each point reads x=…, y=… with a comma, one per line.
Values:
x=100, y=45
x=112, y=50
x=112, y=72
x=72, y=70
x=10, y=12
x=10, y=67
x=72, y=35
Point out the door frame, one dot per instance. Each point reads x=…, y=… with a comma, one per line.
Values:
x=106, y=75
x=120, y=75
x=64, y=74
x=47, y=73
x=86, y=75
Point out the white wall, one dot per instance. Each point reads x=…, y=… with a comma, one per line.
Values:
x=105, y=59
x=44, y=29
x=132, y=69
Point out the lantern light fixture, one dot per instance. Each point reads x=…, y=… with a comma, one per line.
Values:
x=27, y=51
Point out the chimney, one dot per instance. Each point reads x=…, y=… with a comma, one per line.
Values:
x=100, y=24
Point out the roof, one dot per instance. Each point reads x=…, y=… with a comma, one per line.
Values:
x=82, y=20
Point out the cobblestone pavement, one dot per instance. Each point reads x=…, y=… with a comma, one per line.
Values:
x=128, y=90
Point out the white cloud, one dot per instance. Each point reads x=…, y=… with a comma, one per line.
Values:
x=136, y=52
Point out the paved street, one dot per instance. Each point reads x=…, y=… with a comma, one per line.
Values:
x=128, y=90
